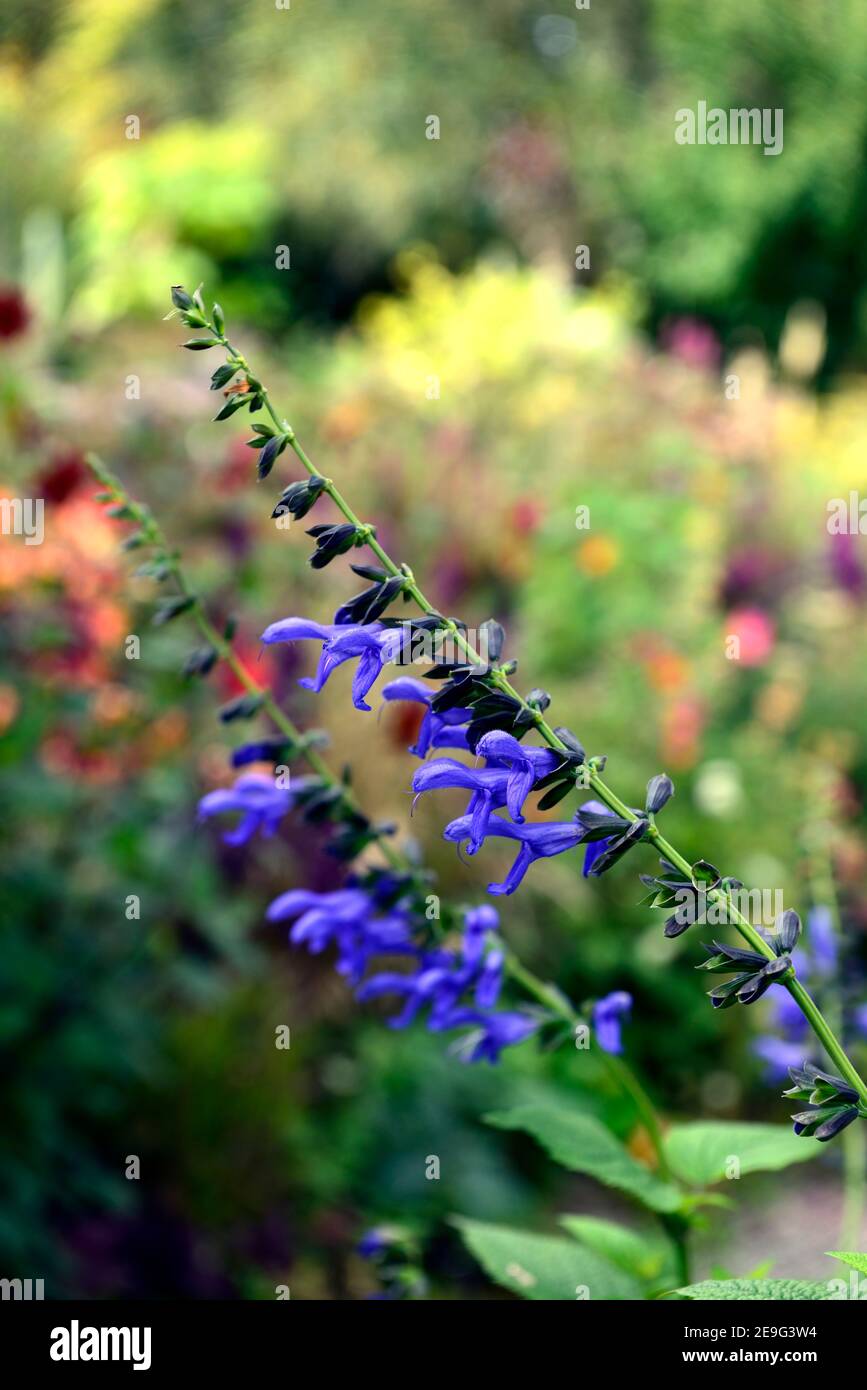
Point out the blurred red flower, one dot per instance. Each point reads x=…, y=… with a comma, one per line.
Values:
x=14, y=313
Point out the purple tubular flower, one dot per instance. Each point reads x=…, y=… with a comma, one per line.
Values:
x=346, y=918
x=525, y=765
x=478, y=921
x=436, y=983
x=261, y=803
x=492, y=1033
x=437, y=730
x=487, y=785
x=372, y=644
x=490, y=980
x=607, y=1014
x=509, y=776
x=540, y=841
x=443, y=977
x=349, y=918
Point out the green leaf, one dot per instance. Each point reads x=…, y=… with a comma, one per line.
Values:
x=741, y=1289
x=236, y=403
x=222, y=376
x=544, y=1267
x=850, y=1257
x=199, y=344
x=647, y=1257
x=700, y=1153
x=582, y=1144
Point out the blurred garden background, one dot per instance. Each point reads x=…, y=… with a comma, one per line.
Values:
x=698, y=381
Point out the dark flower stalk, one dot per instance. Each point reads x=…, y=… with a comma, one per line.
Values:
x=165, y=565
x=483, y=685
x=347, y=914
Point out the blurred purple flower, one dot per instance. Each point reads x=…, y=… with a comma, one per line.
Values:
x=372, y=1243
x=348, y=919
x=779, y=1056
x=821, y=940
x=607, y=1015
x=846, y=568
x=492, y=1033
x=260, y=801
x=859, y=1020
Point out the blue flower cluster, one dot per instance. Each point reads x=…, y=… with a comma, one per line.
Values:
x=510, y=771
x=375, y=916
x=457, y=987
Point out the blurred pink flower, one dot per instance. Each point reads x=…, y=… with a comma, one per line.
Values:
x=693, y=341
x=755, y=632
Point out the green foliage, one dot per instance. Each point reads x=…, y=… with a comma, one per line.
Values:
x=646, y=1255
x=580, y=1143
x=545, y=1267
x=701, y=1153
x=753, y=1289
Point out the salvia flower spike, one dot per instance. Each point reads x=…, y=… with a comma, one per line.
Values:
x=483, y=686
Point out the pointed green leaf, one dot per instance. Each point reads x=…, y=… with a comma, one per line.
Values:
x=647, y=1257
x=702, y=1153
x=583, y=1144
x=544, y=1267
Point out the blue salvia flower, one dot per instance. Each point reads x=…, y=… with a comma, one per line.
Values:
x=444, y=976
x=492, y=1032
x=478, y=921
x=456, y=987
x=443, y=730
x=505, y=782
x=348, y=919
x=540, y=841
x=488, y=787
x=261, y=803
x=525, y=766
x=607, y=1015
x=373, y=645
